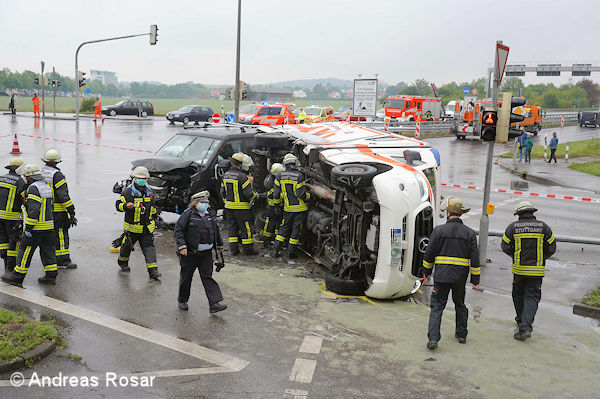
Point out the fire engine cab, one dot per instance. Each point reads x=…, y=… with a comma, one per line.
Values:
x=409, y=108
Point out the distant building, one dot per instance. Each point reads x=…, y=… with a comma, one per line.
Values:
x=299, y=94
x=334, y=95
x=106, y=77
x=272, y=94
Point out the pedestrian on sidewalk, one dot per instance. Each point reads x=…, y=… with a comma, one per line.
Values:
x=529, y=242
x=36, y=105
x=452, y=250
x=528, y=147
x=553, y=146
x=197, y=235
x=521, y=143
x=12, y=105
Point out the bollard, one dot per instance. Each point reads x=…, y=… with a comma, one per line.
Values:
x=418, y=127
x=545, y=147
x=562, y=121
x=567, y=153
x=515, y=153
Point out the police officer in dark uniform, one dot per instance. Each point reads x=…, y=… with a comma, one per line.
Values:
x=38, y=229
x=12, y=187
x=137, y=203
x=237, y=193
x=291, y=190
x=273, y=214
x=529, y=242
x=452, y=249
x=197, y=235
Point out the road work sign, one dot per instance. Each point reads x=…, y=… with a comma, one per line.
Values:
x=364, y=100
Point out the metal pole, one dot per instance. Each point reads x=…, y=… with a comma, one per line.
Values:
x=515, y=153
x=545, y=147
x=484, y=223
x=54, y=94
x=77, y=65
x=237, y=66
x=42, y=83
x=567, y=153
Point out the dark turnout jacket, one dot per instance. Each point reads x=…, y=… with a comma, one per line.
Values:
x=529, y=242
x=452, y=250
x=192, y=229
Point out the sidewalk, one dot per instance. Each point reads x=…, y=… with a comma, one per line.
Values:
x=71, y=117
x=557, y=174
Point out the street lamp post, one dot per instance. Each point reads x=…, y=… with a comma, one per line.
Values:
x=237, y=66
x=42, y=84
x=77, y=65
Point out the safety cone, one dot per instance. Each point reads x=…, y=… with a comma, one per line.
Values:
x=15, y=147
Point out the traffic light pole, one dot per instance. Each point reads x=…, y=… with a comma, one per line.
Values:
x=54, y=90
x=484, y=223
x=77, y=65
x=237, y=66
x=42, y=84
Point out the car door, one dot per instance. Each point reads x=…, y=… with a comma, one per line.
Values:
x=133, y=108
x=261, y=117
x=205, y=113
x=195, y=114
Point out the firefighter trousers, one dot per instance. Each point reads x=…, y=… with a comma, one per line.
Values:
x=202, y=261
x=239, y=226
x=146, y=240
x=290, y=229
x=9, y=243
x=272, y=223
x=526, y=294
x=44, y=239
x=439, y=298
x=61, y=232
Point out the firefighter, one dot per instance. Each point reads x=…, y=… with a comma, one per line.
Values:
x=12, y=187
x=38, y=230
x=302, y=116
x=291, y=191
x=64, y=210
x=529, y=242
x=98, y=110
x=274, y=213
x=138, y=204
x=452, y=249
x=237, y=193
x=36, y=105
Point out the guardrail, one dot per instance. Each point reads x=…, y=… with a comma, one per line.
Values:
x=555, y=118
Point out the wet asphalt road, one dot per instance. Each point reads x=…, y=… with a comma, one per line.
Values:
x=374, y=351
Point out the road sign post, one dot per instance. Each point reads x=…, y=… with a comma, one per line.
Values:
x=42, y=83
x=501, y=54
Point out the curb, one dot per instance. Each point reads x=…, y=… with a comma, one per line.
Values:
x=586, y=311
x=525, y=176
x=37, y=353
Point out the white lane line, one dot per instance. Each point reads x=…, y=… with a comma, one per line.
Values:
x=303, y=370
x=311, y=344
x=223, y=360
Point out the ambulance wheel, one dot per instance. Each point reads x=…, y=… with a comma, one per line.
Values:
x=345, y=286
x=353, y=175
x=273, y=140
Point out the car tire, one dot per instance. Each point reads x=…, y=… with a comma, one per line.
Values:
x=353, y=175
x=113, y=112
x=345, y=286
x=271, y=140
x=186, y=120
x=144, y=114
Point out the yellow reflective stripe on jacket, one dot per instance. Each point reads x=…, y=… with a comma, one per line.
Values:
x=551, y=239
x=34, y=197
x=122, y=203
x=475, y=271
x=451, y=260
x=6, y=215
x=138, y=228
x=506, y=239
x=236, y=205
x=60, y=183
x=427, y=265
x=529, y=270
x=62, y=206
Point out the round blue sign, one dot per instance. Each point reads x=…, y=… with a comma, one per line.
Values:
x=230, y=118
x=88, y=90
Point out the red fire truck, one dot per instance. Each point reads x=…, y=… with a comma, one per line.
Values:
x=408, y=108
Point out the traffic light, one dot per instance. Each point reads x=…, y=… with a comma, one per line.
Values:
x=36, y=81
x=81, y=79
x=229, y=94
x=153, y=34
x=53, y=83
x=243, y=90
x=506, y=117
x=489, y=119
x=45, y=80
x=58, y=83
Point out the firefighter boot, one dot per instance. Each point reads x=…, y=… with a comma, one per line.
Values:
x=217, y=307
x=233, y=248
x=153, y=273
x=124, y=268
x=68, y=265
x=249, y=250
x=13, y=278
x=49, y=278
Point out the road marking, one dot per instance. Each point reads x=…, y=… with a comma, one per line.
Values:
x=225, y=362
x=303, y=370
x=311, y=344
x=88, y=144
x=296, y=393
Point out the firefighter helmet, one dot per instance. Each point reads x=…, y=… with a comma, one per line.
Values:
x=140, y=172
x=14, y=162
x=238, y=156
x=52, y=155
x=289, y=159
x=31, y=170
x=247, y=162
x=525, y=207
x=276, y=168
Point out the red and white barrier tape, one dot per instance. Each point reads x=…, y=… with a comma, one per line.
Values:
x=526, y=193
x=88, y=144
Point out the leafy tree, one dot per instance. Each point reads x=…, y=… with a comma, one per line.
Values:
x=592, y=90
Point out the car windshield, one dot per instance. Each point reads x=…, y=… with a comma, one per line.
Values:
x=120, y=103
x=396, y=104
x=312, y=111
x=186, y=108
x=189, y=148
x=588, y=114
x=450, y=107
x=249, y=109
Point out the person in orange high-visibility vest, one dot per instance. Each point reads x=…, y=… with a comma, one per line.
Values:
x=98, y=110
x=36, y=105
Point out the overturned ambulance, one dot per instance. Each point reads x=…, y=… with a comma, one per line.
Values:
x=375, y=200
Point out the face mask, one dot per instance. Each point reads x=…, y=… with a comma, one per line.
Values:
x=202, y=207
x=140, y=182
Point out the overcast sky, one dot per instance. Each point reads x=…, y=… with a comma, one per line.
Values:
x=437, y=40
